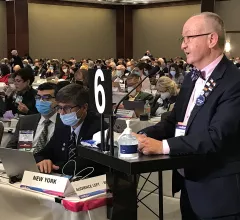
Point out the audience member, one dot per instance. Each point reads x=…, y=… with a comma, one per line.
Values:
x=4, y=73
x=22, y=100
x=166, y=95
x=43, y=124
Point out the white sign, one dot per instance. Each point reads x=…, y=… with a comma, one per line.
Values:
x=90, y=187
x=99, y=89
x=123, y=113
x=54, y=185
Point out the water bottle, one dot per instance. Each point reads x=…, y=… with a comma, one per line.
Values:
x=147, y=109
x=128, y=144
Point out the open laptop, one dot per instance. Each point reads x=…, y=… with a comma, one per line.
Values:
x=15, y=162
x=137, y=106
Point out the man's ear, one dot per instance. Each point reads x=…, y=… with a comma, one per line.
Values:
x=213, y=40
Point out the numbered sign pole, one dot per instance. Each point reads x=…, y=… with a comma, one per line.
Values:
x=100, y=93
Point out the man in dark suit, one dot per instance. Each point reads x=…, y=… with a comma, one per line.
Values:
x=79, y=124
x=209, y=106
x=45, y=103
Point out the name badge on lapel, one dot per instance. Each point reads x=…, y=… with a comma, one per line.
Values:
x=180, y=129
x=25, y=140
x=208, y=88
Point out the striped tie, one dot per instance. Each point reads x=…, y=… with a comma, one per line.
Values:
x=72, y=149
x=42, y=140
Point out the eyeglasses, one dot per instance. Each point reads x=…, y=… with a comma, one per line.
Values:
x=66, y=109
x=187, y=39
x=44, y=97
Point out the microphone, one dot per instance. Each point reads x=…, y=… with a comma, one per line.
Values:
x=151, y=72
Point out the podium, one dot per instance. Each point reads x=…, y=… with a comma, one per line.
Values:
x=123, y=177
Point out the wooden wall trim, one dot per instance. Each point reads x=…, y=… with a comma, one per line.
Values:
x=167, y=4
x=74, y=4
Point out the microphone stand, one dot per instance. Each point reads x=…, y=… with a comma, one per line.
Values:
x=113, y=120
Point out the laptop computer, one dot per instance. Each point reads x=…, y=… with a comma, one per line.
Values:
x=15, y=162
x=137, y=106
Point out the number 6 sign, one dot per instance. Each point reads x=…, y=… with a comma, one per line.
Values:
x=100, y=93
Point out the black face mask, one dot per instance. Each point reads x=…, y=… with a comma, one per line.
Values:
x=79, y=82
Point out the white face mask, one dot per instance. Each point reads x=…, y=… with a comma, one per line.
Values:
x=165, y=95
x=173, y=73
x=133, y=93
x=65, y=70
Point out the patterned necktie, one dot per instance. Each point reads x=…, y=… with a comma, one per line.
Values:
x=195, y=74
x=72, y=148
x=42, y=140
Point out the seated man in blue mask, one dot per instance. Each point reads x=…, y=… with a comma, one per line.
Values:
x=60, y=154
x=41, y=125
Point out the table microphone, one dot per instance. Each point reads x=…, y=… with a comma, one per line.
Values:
x=151, y=72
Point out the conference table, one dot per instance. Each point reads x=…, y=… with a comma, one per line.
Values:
x=23, y=204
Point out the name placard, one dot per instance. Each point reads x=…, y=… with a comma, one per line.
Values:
x=50, y=184
x=123, y=113
x=90, y=187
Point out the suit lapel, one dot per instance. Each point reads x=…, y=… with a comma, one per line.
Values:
x=216, y=75
x=36, y=123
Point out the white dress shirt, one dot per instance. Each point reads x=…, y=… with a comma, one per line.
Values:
x=40, y=127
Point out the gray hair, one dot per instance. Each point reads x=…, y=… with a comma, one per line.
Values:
x=74, y=93
x=90, y=64
x=218, y=26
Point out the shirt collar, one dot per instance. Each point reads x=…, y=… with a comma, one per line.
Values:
x=77, y=129
x=210, y=68
x=53, y=119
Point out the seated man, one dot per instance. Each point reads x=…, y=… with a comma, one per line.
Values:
x=60, y=154
x=42, y=125
x=137, y=94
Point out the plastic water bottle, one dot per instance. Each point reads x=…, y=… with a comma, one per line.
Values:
x=147, y=109
x=128, y=144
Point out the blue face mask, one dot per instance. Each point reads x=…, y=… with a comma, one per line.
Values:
x=43, y=107
x=129, y=68
x=70, y=119
x=118, y=73
x=146, y=72
x=138, y=73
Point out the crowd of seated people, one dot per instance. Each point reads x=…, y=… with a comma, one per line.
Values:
x=58, y=110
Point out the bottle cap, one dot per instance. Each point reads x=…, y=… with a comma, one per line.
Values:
x=128, y=130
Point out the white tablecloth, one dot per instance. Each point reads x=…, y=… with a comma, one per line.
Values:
x=21, y=204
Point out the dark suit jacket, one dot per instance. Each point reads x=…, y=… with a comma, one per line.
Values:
x=213, y=130
x=28, y=122
x=57, y=148
x=28, y=100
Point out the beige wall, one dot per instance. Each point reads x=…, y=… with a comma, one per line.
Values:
x=229, y=11
x=159, y=30
x=64, y=31
x=3, y=30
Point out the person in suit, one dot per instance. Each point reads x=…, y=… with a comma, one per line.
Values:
x=16, y=59
x=209, y=105
x=79, y=124
x=42, y=124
